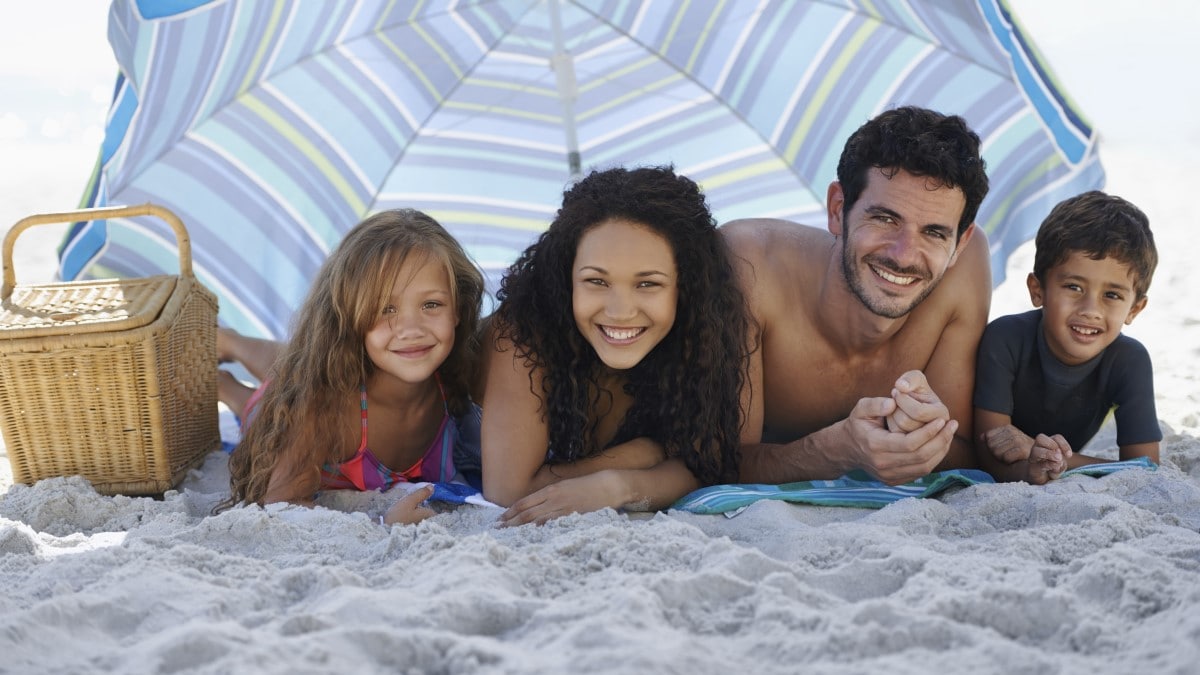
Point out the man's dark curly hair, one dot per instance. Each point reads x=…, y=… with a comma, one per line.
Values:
x=1101, y=226
x=686, y=390
x=923, y=143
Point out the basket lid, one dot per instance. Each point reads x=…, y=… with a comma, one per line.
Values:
x=84, y=306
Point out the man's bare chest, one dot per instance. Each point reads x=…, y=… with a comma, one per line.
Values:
x=808, y=385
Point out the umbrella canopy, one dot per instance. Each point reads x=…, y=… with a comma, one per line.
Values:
x=271, y=128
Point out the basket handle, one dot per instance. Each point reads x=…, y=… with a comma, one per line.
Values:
x=102, y=213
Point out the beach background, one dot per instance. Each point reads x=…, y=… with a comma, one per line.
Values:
x=1086, y=575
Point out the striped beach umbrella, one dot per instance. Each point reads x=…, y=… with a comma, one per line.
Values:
x=271, y=126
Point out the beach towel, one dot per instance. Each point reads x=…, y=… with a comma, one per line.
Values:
x=858, y=489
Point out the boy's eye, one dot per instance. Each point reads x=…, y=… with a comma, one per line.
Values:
x=1072, y=287
x=1113, y=295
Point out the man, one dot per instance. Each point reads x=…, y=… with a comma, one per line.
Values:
x=866, y=334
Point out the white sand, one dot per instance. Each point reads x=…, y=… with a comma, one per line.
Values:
x=1082, y=576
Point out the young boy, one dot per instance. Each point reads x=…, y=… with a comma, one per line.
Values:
x=1046, y=379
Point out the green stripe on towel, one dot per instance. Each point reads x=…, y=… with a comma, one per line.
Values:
x=857, y=489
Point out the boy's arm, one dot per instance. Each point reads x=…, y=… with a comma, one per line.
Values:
x=1131, y=451
x=1001, y=449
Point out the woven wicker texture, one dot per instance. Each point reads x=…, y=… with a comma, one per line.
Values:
x=112, y=380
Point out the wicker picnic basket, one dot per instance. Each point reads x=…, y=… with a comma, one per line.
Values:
x=114, y=379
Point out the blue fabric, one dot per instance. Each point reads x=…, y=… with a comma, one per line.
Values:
x=857, y=489
x=452, y=493
x=854, y=489
x=1106, y=468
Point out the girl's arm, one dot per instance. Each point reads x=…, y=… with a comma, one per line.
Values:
x=292, y=481
x=633, y=489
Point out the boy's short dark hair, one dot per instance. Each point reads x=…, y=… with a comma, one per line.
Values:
x=1102, y=226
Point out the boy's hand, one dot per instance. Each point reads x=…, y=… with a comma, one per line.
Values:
x=1008, y=444
x=1047, y=459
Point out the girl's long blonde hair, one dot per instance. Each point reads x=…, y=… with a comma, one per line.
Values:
x=322, y=367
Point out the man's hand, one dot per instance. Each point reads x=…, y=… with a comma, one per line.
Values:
x=1047, y=459
x=897, y=457
x=916, y=403
x=1008, y=444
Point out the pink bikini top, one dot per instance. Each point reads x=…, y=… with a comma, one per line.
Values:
x=364, y=471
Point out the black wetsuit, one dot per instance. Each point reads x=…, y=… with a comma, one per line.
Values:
x=1016, y=375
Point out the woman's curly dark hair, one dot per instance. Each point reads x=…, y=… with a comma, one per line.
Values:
x=686, y=390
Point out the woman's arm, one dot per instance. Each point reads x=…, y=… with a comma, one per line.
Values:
x=514, y=437
x=632, y=489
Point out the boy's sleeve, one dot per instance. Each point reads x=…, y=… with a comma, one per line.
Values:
x=996, y=366
x=1136, y=414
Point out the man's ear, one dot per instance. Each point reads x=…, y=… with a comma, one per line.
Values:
x=1035, y=289
x=835, y=200
x=1136, y=309
x=961, y=246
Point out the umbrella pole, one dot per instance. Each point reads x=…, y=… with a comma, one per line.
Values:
x=564, y=71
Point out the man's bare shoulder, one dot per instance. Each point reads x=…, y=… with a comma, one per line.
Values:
x=967, y=286
x=774, y=246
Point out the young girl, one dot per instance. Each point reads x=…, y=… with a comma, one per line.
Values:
x=616, y=354
x=372, y=388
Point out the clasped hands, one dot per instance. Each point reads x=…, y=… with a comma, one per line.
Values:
x=902, y=437
x=1045, y=457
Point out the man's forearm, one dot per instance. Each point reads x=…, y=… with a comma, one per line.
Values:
x=813, y=457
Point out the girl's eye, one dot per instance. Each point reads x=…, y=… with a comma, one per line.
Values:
x=648, y=284
x=432, y=304
x=389, y=309
x=595, y=282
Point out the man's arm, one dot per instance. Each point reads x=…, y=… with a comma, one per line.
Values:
x=951, y=368
x=861, y=441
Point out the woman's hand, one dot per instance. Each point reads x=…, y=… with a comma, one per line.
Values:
x=572, y=495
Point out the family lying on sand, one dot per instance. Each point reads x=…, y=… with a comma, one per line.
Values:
x=639, y=352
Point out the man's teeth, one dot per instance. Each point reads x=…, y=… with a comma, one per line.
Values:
x=621, y=333
x=903, y=281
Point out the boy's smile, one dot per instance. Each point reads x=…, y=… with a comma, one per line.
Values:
x=1085, y=304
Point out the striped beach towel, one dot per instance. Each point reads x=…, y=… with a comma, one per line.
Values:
x=857, y=489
